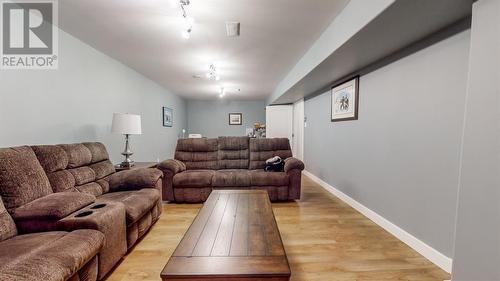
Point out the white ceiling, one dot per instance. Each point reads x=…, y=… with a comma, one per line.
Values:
x=146, y=35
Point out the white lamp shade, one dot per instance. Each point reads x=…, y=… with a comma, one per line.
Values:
x=126, y=124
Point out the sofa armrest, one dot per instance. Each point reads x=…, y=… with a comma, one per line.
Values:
x=134, y=179
x=42, y=214
x=170, y=168
x=293, y=163
x=172, y=165
x=54, y=206
x=293, y=168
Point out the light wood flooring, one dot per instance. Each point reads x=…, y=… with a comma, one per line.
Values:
x=324, y=238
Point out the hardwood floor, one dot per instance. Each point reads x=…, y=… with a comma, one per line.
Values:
x=324, y=238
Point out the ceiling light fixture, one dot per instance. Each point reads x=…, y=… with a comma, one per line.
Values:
x=222, y=92
x=188, y=21
x=212, y=73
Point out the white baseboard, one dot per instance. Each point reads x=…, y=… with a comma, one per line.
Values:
x=425, y=250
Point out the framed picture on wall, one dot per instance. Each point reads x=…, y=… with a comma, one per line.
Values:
x=345, y=100
x=235, y=118
x=168, y=117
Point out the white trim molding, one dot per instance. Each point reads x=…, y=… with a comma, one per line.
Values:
x=421, y=247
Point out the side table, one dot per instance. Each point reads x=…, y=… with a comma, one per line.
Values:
x=137, y=165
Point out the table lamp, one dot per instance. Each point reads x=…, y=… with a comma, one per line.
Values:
x=126, y=124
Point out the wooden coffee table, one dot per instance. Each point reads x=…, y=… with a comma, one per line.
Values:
x=234, y=237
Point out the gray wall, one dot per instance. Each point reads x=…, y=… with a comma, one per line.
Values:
x=477, y=242
x=401, y=158
x=211, y=118
x=76, y=102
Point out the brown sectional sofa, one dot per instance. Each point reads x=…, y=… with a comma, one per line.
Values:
x=67, y=215
x=201, y=165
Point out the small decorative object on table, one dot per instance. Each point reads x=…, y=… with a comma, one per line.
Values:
x=345, y=100
x=235, y=118
x=126, y=124
x=258, y=131
x=168, y=117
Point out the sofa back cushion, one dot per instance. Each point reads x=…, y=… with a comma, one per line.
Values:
x=262, y=149
x=7, y=226
x=22, y=178
x=198, y=154
x=233, y=152
x=82, y=167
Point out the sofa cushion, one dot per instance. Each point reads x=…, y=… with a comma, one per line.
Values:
x=198, y=154
x=48, y=256
x=97, y=150
x=262, y=149
x=104, y=183
x=92, y=188
x=194, y=178
x=263, y=178
x=232, y=177
x=7, y=227
x=22, y=178
x=137, y=202
x=233, y=152
x=52, y=206
x=78, y=154
x=52, y=157
x=102, y=169
x=62, y=181
x=82, y=175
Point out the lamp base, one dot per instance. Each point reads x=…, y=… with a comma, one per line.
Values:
x=125, y=164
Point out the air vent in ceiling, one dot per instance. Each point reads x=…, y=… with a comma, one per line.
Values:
x=232, y=28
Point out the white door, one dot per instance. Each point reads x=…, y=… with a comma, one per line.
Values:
x=298, y=130
x=279, y=121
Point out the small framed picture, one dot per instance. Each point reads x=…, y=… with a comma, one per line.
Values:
x=235, y=118
x=345, y=100
x=168, y=117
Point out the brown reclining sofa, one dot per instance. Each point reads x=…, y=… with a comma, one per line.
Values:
x=65, y=214
x=201, y=165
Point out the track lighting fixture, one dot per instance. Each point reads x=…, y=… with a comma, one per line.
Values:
x=212, y=73
x=188, y=21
